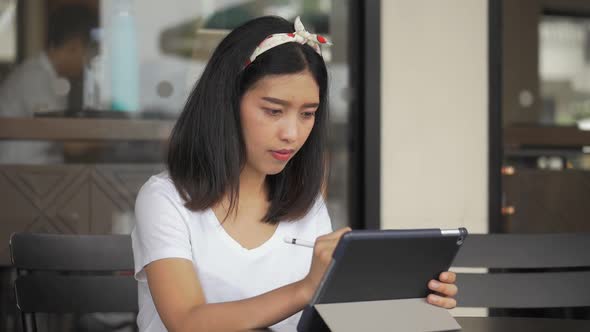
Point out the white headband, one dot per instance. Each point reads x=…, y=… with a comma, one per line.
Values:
x=300, y=36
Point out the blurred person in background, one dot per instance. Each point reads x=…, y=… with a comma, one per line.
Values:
x=42, y=83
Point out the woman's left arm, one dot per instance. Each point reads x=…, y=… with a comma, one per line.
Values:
x=444, y=290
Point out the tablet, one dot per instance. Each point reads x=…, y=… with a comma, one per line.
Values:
x=373, y=265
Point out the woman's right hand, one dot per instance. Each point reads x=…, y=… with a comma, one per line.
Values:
x=322, y=256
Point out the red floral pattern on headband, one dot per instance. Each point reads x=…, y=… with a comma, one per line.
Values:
x=300, y=36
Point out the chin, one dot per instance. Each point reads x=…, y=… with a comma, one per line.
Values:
x=276, y=169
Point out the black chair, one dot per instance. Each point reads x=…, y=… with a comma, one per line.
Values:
x=75, y=274
x=526, y=271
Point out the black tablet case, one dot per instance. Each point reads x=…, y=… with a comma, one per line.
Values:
x=383, y=265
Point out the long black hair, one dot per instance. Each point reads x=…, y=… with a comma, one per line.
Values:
x=207, y=150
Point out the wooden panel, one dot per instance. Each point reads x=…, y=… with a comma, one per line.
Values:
x=567, y=6
x=548, y=201
x=84, y=129
x=69, y=199
x=546, y=137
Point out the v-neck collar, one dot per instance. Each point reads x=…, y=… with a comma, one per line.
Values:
x=264, y=247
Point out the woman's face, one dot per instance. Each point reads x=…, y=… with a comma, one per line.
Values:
x=277, y=115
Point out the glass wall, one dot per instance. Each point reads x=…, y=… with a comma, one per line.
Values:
x=564, y=70
x=90, y=90
x=111, y=99
x=102, y=107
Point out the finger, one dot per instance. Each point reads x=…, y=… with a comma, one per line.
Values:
x=448, y=277
x=337, y=234
x=445, y=289
x=447, y=303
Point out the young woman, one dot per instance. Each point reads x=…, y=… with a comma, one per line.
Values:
x=246, y=164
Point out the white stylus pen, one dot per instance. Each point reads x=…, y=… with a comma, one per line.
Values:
x=299, y=242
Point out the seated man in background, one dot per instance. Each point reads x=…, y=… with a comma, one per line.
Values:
x=42, y=83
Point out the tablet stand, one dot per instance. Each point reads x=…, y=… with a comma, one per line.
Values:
x=389, y=315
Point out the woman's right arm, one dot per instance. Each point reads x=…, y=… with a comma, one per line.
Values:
x=180, y=302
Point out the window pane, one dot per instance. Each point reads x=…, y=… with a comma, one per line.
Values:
x=565, y=70
x=7, y=31
x=140, y=63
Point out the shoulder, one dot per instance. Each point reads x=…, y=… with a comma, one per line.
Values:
x=30, y=68
x=159, y=183
x=27, y=77
x=158, y=190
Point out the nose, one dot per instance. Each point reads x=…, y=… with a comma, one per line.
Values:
x=289, y=130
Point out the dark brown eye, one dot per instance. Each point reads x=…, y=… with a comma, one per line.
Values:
x=272, y=112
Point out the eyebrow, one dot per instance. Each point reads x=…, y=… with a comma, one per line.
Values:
x=286, y=103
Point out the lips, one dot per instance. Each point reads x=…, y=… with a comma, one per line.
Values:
x=282, y=155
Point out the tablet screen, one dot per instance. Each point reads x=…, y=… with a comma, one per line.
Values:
x=388, y=264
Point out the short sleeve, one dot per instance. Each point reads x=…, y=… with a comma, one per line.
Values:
x=160, y=230
x=323, y=218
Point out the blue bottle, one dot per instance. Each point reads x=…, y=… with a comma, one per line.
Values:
x=124, y=59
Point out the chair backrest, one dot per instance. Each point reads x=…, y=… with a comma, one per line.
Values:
x=60, y=273
x=527, y=271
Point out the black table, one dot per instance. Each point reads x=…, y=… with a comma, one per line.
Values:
x=504, y=324
x=524, y=324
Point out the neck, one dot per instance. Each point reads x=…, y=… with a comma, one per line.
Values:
x=252, y=199
x=252, y=185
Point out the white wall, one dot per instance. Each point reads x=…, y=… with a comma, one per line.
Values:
x=434, y=114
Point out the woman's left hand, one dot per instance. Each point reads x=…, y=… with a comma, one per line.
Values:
x=445, y=289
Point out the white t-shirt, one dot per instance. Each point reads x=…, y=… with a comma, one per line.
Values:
x=227, y=271
x=34, y=86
